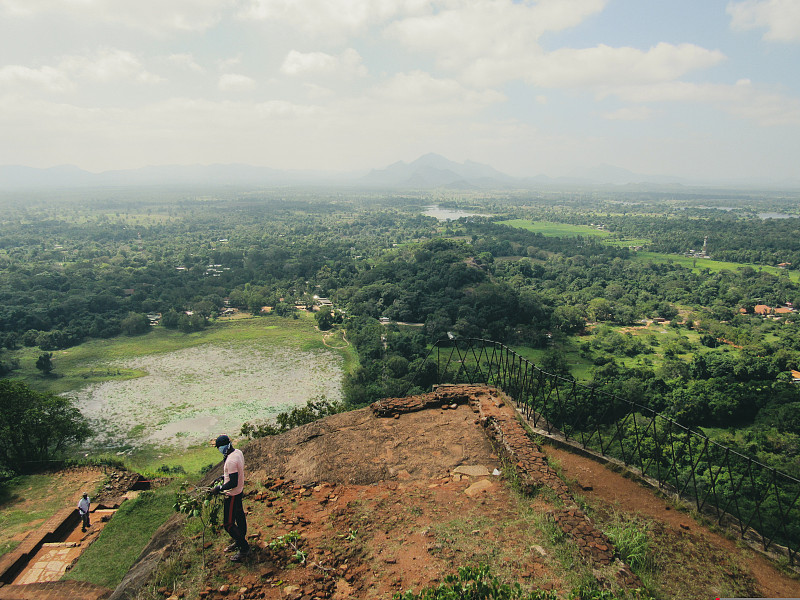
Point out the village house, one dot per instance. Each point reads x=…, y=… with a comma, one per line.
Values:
x=772, y=313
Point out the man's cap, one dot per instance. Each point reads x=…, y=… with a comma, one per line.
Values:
x=85, y=494
x=222, y=440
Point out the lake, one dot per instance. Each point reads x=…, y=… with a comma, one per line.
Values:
x=191, y=395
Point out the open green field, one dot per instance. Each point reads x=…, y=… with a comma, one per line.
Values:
x=549, y=228
x=698, y=264
x=555, y=229
x=625, y=242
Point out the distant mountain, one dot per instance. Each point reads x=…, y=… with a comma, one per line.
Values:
x=435, y=171
x=13, y=176
x=206, y=175
x=427, y=172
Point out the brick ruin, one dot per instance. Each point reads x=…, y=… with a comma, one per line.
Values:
x=503, y=426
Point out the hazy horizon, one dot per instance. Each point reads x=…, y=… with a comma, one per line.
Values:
x=700, y=91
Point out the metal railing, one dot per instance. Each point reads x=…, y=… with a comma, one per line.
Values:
x=758, y=501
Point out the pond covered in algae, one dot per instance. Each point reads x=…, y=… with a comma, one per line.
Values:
x=191, y=395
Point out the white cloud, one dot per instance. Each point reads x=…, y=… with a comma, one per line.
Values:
x=105, y=65
x=489, y=42
x=629, y=113
x=330, y=18
x=781, y=18
x=226, y=63
x=318, y=92
x=234, y=82
x=742, y=99
x=607, y=66
x=436, y=95
x=347, y=65
x=496, y=30
x=185, y=61
x=154, y=16
x=108, y=64
x=17, y=77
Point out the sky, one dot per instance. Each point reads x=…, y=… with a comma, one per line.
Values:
x=703, y=89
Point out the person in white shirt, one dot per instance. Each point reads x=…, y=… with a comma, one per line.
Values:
x=83, y=511
x=234, y=522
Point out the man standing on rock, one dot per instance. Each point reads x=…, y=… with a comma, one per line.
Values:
x=83, y=511
x=233, y=487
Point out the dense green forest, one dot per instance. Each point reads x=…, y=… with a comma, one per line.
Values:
x=685, y=341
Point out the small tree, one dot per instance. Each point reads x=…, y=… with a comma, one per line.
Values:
x=198, y=503
x=45, y=363
x=324, y=318
x=135, y=324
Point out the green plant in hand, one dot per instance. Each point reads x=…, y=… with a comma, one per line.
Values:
x=199, y=503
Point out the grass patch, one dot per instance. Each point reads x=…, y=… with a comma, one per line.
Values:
x=191, y=461
x=625, y=242
x=107, y=560
x=549, y=228
x=560, y=549
x=630, y=537
x=465, y=537
x=570, y=347
x=699, y=264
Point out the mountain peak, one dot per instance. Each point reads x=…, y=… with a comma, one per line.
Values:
x=434, y=170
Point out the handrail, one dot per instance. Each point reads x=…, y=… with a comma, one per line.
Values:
x=735, y=489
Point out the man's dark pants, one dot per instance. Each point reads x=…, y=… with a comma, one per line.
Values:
x=235, y=523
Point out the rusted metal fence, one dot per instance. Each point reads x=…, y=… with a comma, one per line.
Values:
x=761, y=503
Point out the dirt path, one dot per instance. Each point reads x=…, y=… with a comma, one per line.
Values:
x=327, y=335
x=611, y=491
